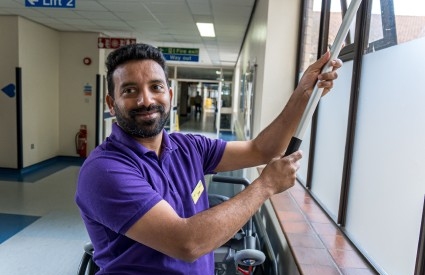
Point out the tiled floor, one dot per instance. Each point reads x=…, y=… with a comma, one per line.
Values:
x=53, y=243
x=41, y=232
x=203, y=122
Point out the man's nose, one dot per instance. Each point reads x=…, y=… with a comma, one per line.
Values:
x=144, y=98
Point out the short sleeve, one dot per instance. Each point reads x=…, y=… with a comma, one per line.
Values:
x=122, y=194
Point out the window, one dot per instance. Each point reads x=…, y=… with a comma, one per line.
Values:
x=375, y=210
x=382, y=30
x=395, y=22
x=310, y=34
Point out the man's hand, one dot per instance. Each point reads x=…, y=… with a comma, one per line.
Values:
x=280, y=173
x=313, y=75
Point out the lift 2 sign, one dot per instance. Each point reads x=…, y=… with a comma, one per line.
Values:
x=50, y=3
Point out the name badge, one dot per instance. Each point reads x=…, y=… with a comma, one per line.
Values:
x=196, y=194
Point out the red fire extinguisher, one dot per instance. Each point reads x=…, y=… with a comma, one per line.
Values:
x=81, y=141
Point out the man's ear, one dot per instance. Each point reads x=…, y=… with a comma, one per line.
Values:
x=110, y=103
x=170, y=90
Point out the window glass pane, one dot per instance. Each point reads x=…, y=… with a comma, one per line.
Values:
x=410, y=19
x=390, y=105
x=310, y=34
x=311, y=30
x=336, y=20
x=309, y=52
x=395, y=22
x=375, y=32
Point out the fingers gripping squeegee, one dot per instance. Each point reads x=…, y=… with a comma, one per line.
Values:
x=296, y=140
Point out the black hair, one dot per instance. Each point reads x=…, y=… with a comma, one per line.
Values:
x=132, y=52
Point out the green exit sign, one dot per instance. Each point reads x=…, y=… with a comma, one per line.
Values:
x=180, y=54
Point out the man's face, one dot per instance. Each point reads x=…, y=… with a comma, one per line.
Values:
x=142, y=98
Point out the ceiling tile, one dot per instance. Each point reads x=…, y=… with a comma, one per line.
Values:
x=159, y=22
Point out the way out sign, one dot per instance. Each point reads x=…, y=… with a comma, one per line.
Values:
x=50, y=3
x=180, y=54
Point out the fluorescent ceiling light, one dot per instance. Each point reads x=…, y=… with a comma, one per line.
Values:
x=206, y=29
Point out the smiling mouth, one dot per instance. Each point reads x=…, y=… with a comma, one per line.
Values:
x=147, y=115
x=150, y=111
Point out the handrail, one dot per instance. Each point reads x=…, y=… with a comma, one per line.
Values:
x=233, y=180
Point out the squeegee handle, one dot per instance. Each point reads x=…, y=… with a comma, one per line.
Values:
x=293, y=146
x=296, y=140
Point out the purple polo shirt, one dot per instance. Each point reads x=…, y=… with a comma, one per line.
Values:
x=121, y=180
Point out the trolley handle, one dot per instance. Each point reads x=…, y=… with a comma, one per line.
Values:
x=233, y=180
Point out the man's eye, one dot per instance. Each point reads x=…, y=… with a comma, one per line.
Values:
x=129, y=91
x=158, y=87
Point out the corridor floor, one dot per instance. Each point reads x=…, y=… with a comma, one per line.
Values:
x=41, y=232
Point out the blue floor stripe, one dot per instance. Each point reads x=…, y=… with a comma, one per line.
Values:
x=10, y=224
x=40, y=170
x=227, y=136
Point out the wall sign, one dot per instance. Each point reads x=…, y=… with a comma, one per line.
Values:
x=87, y=89
x=114, y=42
x=50, y=3
x=9, y=90
x=180, y=54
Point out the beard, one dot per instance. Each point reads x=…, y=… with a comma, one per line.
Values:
x=145, y=128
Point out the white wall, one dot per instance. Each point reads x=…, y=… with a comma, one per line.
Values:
x=53, y=100
x=76, y=108
x=39, y=59
x=280, y=59
x=253, y=52
x=273, y=48
x=9, y=61
x=271, y=43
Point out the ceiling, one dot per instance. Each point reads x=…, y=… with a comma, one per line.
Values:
x=162, y=23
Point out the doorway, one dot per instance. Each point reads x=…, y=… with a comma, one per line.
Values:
x=198, y=119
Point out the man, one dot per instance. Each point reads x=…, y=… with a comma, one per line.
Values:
x=198, y=103
x=142, y=193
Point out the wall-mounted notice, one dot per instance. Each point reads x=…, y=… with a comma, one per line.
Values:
x=50, y=3
x=9, y=90
x=114, y=42
x=180, y=54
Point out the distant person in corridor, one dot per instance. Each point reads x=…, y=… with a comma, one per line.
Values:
x=136, y=190
x=198, y=103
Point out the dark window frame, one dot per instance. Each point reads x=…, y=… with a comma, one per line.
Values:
x=420, y=255
x=389, y=31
